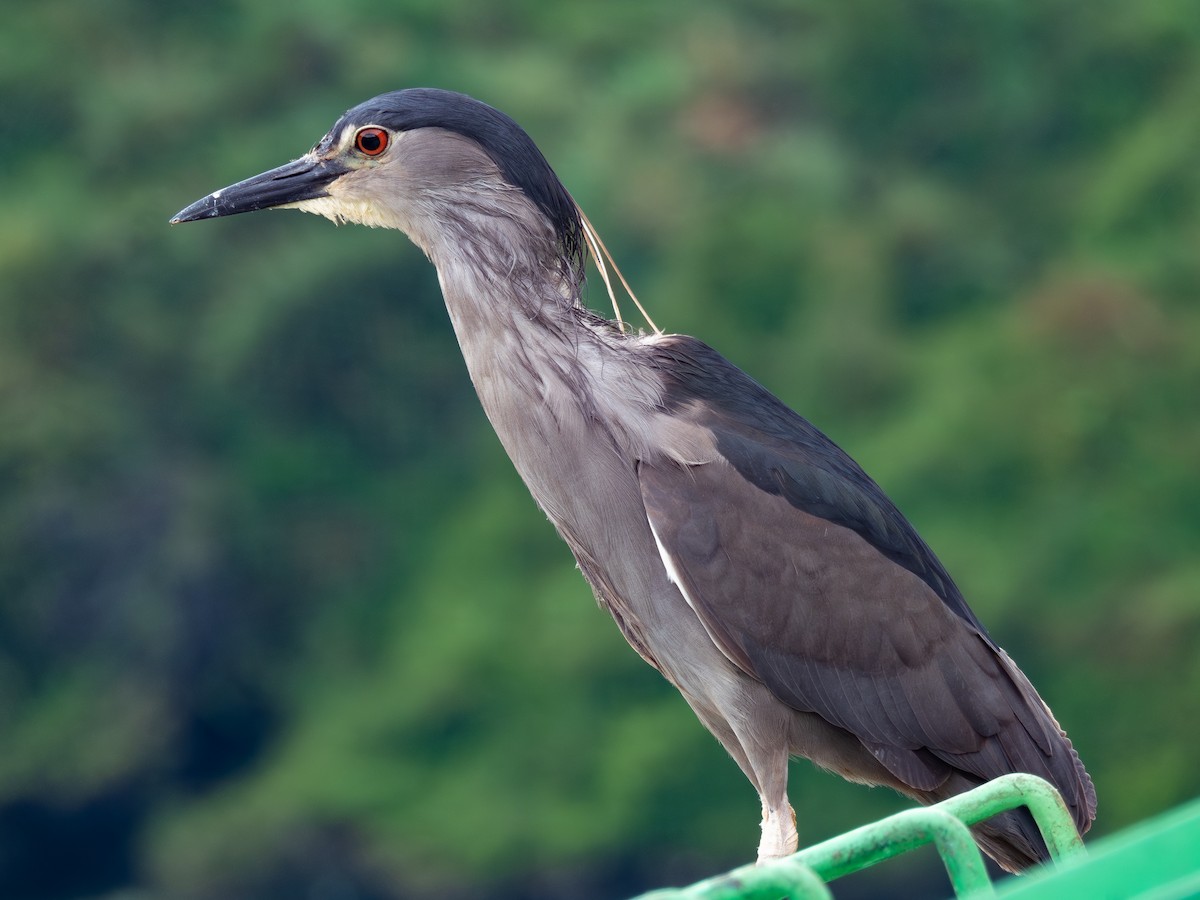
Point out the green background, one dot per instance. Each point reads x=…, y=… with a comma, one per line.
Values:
x=277, y=619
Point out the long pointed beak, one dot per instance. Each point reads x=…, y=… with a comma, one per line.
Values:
x=304, y=179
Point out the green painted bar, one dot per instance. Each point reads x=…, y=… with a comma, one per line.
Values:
x=1156, y=860
x=785, y=878
x=803, y=875
x=1011, y=791
x=863, y=847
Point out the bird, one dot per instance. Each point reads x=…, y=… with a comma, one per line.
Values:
x=741, y=552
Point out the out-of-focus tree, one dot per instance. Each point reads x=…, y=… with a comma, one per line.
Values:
x=277, y=618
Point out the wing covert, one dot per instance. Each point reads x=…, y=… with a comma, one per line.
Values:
x=809, y=579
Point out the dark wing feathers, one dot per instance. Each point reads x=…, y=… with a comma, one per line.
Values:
x=782, y=453
x=811, y=580
x=816, y=613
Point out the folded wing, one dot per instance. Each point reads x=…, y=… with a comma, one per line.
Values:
x=809, y=579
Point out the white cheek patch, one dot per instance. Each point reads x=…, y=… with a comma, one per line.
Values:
x=321, y=206
x=344, y=209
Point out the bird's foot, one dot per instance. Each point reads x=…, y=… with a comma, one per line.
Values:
x=778, y=833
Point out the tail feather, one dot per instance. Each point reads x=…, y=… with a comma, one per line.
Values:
x=1013, y=840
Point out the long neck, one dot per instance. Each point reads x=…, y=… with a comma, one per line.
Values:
x=496, y=286
x=528, y=342
x=564, y=390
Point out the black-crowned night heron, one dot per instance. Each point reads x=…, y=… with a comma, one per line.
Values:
x=742, y=553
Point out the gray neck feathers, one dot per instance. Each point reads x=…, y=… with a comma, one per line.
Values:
x=549, y=373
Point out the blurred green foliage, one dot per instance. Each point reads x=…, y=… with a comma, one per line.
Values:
x=276, y=617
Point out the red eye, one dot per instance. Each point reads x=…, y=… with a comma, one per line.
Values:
x=371, y=141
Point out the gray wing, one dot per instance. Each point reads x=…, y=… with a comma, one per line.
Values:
x=810, y=580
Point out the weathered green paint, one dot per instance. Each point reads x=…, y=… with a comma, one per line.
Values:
x=783, y=878
x=1011, y=791
x=855, y=850
x=803, y=875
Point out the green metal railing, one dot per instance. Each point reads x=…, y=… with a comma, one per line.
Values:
x=804, y=874
x=1154, y=860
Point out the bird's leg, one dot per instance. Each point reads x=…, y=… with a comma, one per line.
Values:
x=778, y=831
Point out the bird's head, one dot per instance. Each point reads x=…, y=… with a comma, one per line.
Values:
x=420, y=160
